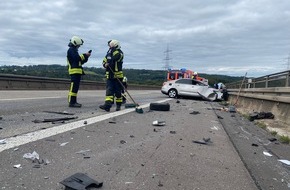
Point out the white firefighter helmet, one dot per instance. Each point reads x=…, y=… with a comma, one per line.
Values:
x=76, y=41
x=115, y=44
x=125, y=79
x=195, y=73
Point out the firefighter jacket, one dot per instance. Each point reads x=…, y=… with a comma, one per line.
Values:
x=114, y=58
x=75, y=61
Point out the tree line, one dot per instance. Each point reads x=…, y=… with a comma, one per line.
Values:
x=135, y=76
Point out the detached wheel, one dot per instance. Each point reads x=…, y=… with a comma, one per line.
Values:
x=160, y=106
x=172, y=93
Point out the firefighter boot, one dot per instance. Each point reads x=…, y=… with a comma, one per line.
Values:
x=105, y=107
x=118, y=107
x=73, y=102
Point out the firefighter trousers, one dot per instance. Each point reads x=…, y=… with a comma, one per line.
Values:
x=74, y=88
x=113, y=88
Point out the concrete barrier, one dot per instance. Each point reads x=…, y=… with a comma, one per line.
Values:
x=19, y=82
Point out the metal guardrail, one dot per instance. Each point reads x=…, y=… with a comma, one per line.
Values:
x=274, y=87
x=21, y=82
x=280, y=79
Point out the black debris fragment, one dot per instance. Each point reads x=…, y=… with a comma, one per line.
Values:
x=205, y=141
x=272, y=139
x=261, y=115
x=219, y=117
x=178, y=101
x=254, y=144
x=195, y=112
x=85, y=122
x=80, y=181
x=58, y=112
x=172, y=132
x=113, y=122
x=54, y=119
x=122, y=141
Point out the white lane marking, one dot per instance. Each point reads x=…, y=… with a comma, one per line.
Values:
x=37, y=135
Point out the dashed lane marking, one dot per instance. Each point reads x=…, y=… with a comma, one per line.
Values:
x=41, y=134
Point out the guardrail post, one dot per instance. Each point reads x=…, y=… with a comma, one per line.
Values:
x=266, y=82
x=287, y=79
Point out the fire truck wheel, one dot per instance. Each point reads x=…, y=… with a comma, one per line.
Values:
x=172, y=93
x=160, y=106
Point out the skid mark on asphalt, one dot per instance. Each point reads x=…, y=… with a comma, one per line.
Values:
x=38, y=135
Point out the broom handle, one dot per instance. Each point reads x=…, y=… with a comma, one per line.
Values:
x=123, y=86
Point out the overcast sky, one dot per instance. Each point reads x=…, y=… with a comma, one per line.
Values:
x=228, y=37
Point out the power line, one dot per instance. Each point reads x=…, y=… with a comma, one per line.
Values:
x=167, y=58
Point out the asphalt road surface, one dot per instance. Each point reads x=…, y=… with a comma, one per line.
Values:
x=199, y=147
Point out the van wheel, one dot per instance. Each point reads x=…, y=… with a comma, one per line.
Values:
x=172, y=93
x=160, y=106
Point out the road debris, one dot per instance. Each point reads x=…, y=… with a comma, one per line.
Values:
x=17, y=166
x=54, y=119
x=123, y=141
x=58, y=112
x=194, y=112
x=287, y=162
x=261, y=115
x=3, y=141
x=158, y=123
x=267, y=153
x=63, y=144
x=205, y=141
x=80, y=181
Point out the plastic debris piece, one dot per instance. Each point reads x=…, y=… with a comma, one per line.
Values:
x=63, y=144
x=17, y=166
x=158, y=123
x=287, y=162
x=172, y=132
x=80, y=181
x=267, y=153
x=3, y=141
x=32, y=156
x=83, y=151
x=254, y=144
x=232, y=109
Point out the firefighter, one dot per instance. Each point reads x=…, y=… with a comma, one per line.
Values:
x=75, y=69
x=194, y=76
x=113, y=63
x=125, y=85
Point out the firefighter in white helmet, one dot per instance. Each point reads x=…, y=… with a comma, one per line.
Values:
x=75, y=69
x=113, y=62
x=194, y=76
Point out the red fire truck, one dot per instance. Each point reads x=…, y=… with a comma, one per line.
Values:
x=174, y=74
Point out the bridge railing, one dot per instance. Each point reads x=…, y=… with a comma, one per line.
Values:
x=280, y=79
x=20, y=82
x=274, y=87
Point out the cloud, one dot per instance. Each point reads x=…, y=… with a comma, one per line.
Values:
x=217, y=37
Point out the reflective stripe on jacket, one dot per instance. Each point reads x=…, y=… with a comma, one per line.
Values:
x=114, y=58
x=75, y=61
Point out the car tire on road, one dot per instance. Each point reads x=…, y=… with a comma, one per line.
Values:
x=160, y=106
x=172, y=93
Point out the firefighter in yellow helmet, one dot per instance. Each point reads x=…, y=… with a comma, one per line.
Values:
x=75, y=69
x=113, y=63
